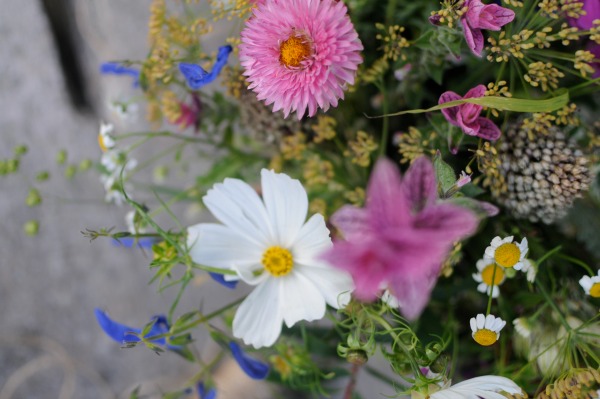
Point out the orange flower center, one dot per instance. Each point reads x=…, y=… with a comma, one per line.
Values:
x=294, y=50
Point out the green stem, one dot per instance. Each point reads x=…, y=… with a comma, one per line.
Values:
x=390, y=11
x=489, y=305
x=548, y=254
x=578, y=263
x=205, y=318
x=397, y=341
x=548, y=299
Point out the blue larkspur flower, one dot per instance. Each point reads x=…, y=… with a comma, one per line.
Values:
x=123, y=334
x=203, y=394
x=220, y=278
x=130, y=242
x=115, y=68
x=254, y=368
x=196, y=76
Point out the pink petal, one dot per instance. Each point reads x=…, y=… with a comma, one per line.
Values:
x=450, y=113
x=488, y=129
x=476, y=92
x=419, y=184
x=445, y=223
x=351, y=221
x=386, y=203
x=413, y=292
x=474, y=38
x=493, y=17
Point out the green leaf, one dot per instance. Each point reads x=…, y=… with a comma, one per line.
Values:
x=500, y=103
x=444, y=173
x=224, y=167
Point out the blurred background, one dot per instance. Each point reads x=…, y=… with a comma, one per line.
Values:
x=53, y=98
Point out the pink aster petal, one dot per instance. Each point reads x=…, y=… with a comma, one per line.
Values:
x=320, y=79
x=488, y=129
x=450, y=113
x=420, y=185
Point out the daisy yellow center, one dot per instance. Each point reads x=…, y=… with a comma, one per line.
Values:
x=507, y=254
x=485, y=337
x=595, y=290
x=488, y=277
x=293, y=51
x=101, y=143
x=278, y=261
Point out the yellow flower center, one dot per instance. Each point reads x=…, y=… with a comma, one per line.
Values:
x=595, y=290
x=507, y=254
x=485, y=337
x=488, y=277
x=278, y=261
x=294, y=50
x=101, y=143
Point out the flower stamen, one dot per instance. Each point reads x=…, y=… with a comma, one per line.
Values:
x=507, y=254
x=294, y=50
x=278, y=261
x=487, y=275
x=485, y=337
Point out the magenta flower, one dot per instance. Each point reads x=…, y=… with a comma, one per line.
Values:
x=300, y=55
x=482, y=16
x=401, y=237
x=466, y=116
x=592, y=12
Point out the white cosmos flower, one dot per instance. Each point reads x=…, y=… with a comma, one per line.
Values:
x=269, y=243
x=484, y=387
x=507, y=253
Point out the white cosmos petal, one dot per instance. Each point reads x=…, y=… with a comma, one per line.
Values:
x=248, y=276
x=312, y=239
x=216, y=245
x=335, y=285
x=237, y=206
x=258, y=319
x=485, y=387
x=300, y=299
x=286, y=203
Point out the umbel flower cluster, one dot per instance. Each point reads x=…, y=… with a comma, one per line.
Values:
x=410, y=181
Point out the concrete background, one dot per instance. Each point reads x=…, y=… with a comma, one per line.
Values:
x=50, y=344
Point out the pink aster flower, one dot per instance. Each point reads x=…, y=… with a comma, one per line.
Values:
x=300, y=54
x=401, y=237
x=482, y=16
x=467, y=116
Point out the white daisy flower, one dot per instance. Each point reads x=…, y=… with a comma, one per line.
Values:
x=507, y=253
x=489, y=276
x=530, y=268
x=591, y=285
x=270, y=244
x=484, y=387
x=486, y=329
x=106, y=140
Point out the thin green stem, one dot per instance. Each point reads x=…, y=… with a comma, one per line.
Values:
x=577, y=262
x=548, y=254
x=549, y=300
x=489, y=304
x=397, y=341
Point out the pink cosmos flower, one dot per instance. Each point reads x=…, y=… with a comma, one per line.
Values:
x=482, y=16
x=401, y=237
x=300, y=54
x=466, y=116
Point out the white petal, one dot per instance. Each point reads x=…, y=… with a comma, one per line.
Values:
x=477, y=277
x=312, y=239
x=335, y=285
x=216, y=245
x=286, y=203
x=489, y=321
x=248, y=275
x=586, y=283
x=258, y=319
x=480, y=321
x=238, y=206
x=300, y=299
x=483, y=287
x=489, y=253
x=473, y=324
x=487, y=386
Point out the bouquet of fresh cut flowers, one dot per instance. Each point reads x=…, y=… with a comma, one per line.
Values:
x=411, y=180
